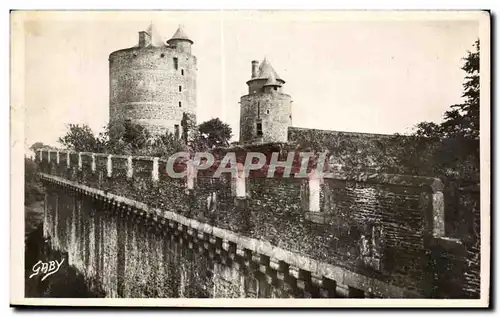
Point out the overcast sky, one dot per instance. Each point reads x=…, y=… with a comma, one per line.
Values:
x=369, y=75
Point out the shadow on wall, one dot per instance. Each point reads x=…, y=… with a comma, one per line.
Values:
x=65, y=283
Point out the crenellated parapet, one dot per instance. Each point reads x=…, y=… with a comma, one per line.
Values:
x=358, y=235
x=302, y=275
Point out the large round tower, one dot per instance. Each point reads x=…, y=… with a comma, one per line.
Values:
x=266, y=112
x=154, y=83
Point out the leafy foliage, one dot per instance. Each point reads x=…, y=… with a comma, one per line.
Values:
x=455, y=142
x=80, y=138
x=33, y=190
x=124, y=138
x=214, y=133
x=39, y=145
x=164, y=146
x=462, y=120
x=121, y=138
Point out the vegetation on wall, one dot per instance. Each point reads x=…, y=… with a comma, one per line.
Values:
x=33, y=190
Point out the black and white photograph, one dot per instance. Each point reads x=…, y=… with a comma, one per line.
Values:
x=223, y=157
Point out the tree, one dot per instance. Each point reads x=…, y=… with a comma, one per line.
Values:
x=462, y=120
x=80, y=138
x=451, y=148
x=428, y=130
x=39, y=145
x=136, y=136
x=197, y=142
x=124, y=138
x=215, y=132
x=165, y=145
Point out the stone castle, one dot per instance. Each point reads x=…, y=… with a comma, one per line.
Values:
x=154, y=84
x=133, y=231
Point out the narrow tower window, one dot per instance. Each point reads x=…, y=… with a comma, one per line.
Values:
x=180, y=104
x=267, y=111
x=182, y=72
x=176, y=129
x=180, y=88
x=176, y=63
x=259, y=128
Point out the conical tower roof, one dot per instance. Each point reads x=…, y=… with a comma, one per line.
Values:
x=180, y=34
x=266, y=70
x=156, y=38
x=271, y=81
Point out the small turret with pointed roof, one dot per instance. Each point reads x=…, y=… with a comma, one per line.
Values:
x=180, y=40
x=266, y=70
x=264, y=75
x=265, y=112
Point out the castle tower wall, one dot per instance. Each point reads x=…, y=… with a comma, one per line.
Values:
x=265, y=112
x=152, y=86
x=273, y=110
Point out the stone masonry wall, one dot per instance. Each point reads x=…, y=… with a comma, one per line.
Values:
x=379, y=153
x=374, y=227
x=354, y=151
x=275, y=116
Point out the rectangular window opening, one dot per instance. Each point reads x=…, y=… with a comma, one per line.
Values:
x=180, y=104
x=180, y=88
x=176, y=129
x=176, y=63
x=259, y=128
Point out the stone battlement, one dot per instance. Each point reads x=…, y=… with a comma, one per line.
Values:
x=375, y=230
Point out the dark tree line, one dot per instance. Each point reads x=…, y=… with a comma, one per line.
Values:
x=132, y=139
x=452, y=146
x=462, y=120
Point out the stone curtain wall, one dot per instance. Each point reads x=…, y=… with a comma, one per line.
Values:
x=376, y=231
x=458, y=265
x=470, y=201
x=354, y=151
x=125, y=256
x=398, y=154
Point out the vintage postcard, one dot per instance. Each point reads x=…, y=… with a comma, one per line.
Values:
x=250, y=158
